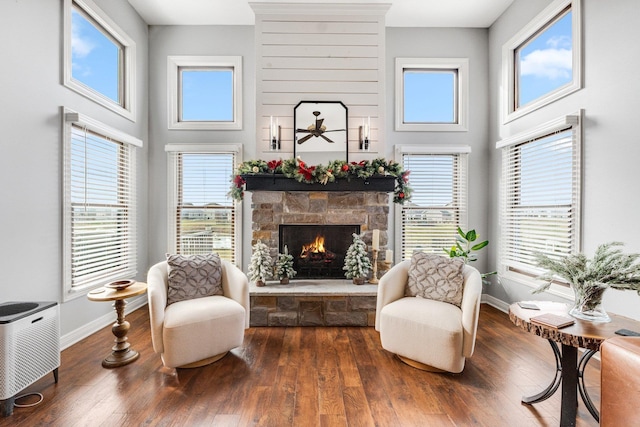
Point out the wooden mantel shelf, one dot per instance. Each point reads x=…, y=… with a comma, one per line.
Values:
x=270, y=182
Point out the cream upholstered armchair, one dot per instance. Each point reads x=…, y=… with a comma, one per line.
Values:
x=424, y=333
x=199, y=331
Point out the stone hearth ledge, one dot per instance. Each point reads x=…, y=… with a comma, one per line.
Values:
x=309, y=287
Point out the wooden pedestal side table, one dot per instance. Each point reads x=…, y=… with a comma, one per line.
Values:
x=122, y=353
x=569, y=370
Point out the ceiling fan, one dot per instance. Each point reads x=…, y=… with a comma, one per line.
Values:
x=317, y=130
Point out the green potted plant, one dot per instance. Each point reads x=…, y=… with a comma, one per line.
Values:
x=465, y=248
x=589, y=278
x=284, y=267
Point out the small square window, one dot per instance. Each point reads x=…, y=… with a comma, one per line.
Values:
x=205, y=92
x=542, y=62
x=431, y=94
x=99, y=57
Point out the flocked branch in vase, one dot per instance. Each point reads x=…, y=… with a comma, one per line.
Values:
x=356, y=262
x=284, y=267
x=261, y=264
x=589, y=278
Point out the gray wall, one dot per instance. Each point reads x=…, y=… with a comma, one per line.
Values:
x=469, y=43
x=31, y=143
x=202, y=41
x=611, y=147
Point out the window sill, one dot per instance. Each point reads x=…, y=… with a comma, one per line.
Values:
x=555, y=290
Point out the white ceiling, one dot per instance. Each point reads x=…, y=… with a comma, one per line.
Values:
x=402, y=13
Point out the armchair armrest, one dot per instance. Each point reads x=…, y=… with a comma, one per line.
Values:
x=157, y=278
x=235, y=285
x=470, y=307
x=391, y=287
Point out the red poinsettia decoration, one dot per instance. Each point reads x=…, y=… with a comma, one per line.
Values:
x=305, y=171
x=273, y=164
x=405, y=176
x=238, y=181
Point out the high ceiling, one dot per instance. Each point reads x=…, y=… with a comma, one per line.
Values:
x=402, y=13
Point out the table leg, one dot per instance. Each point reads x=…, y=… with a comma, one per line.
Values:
x=121, y=353
x=569, y=405
x=555, y=383
x=581, y=387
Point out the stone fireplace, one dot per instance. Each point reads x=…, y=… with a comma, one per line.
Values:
x=363, y=210
x=318, y=301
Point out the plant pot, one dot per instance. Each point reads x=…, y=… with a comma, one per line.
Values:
x=284, y=281
x=358, y=280
x=259, y=283
x=588, y=302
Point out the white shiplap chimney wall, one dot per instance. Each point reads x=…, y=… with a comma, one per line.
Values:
x=320, y=52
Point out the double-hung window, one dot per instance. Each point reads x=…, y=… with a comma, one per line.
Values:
x=99, y=204
x=439, y=199
x=540, y=196
x=203, y=217
x=99, y=57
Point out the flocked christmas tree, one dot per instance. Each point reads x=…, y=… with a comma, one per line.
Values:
x=284, y=266
x=356, y=261
x=261, y=262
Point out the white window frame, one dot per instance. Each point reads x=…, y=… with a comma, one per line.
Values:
x=573, y=122
x=461, y=66
x=172, y=187
x=174, y=63
x=509, y=57
x=127, y=70
x=69, y=119
x=453, y=150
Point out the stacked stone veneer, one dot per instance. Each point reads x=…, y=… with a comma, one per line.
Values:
x=370, y=210
x=312, y=310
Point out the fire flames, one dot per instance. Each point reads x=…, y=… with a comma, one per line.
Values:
x=315, y=247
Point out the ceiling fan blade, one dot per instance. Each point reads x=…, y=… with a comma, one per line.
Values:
x=302, y=130
x=303, y=139
x=319, y=124
x=326, y=139
x=335, y=130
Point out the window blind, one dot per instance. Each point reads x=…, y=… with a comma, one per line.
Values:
x=204, y=213
x=540, y=199
x=438, y=203
x=100, y=214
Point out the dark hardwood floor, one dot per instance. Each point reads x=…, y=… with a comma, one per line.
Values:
x=325, y=376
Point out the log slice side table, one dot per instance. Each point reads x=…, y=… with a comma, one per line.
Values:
x=569, y=369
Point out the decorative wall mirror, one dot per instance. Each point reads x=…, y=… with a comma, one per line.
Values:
x=320, y=132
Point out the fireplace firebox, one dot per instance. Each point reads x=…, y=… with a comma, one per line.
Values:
x=318, y=250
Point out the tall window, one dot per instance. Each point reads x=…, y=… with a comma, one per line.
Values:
x=99, y=57
x=99, y=205
x=205, y=92
x=204, y=216
x=439, y=200
x=540, y=200
x=432, y=94
x=542, y=62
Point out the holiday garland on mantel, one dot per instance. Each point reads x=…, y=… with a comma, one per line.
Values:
x=321, y=174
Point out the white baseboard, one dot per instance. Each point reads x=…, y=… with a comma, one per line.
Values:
x=92, y=327
x=495, y=302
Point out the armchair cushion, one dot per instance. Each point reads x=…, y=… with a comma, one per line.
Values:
x=436, y=278
x=193, y=276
